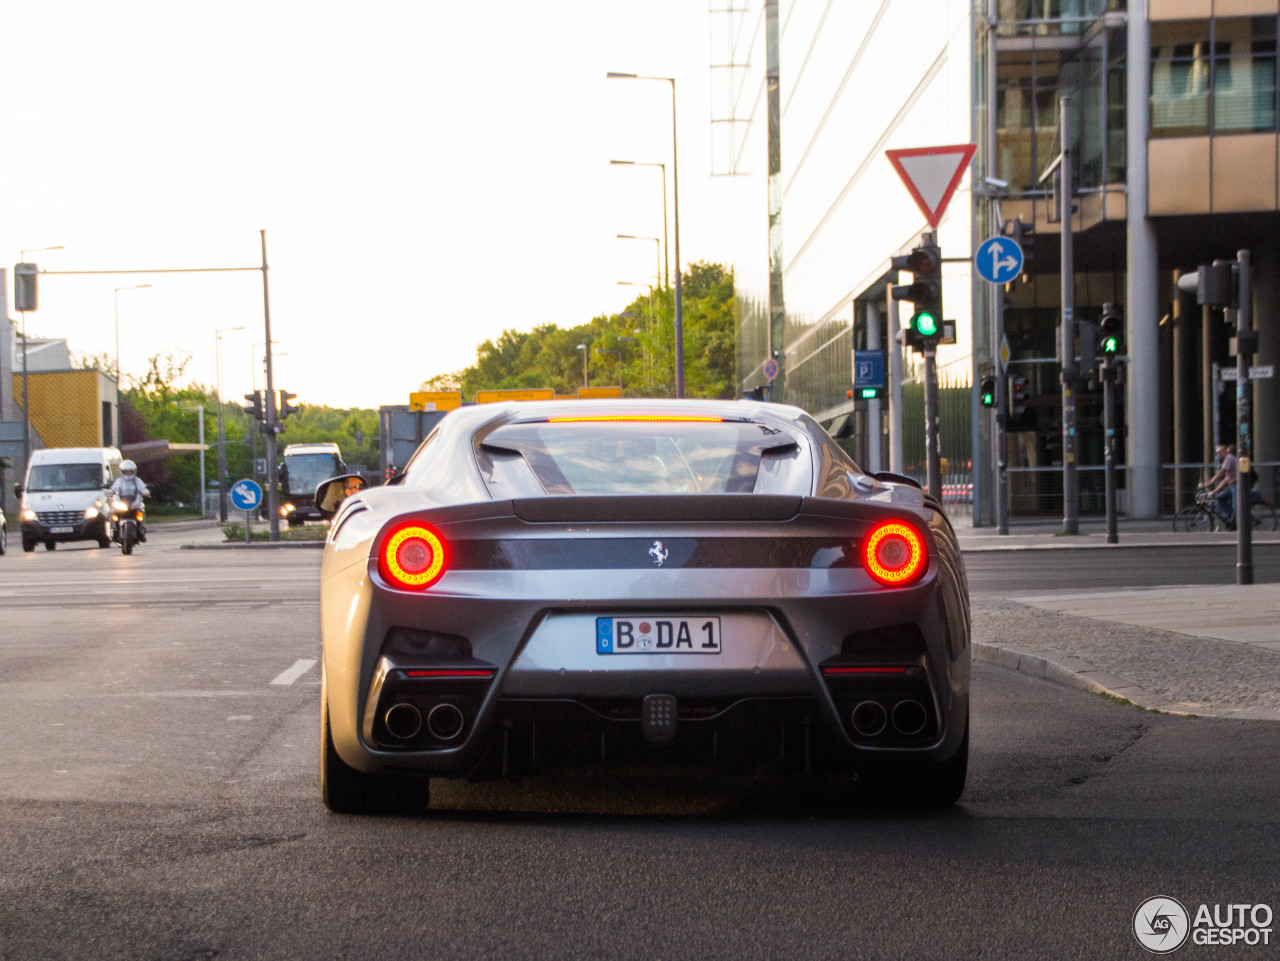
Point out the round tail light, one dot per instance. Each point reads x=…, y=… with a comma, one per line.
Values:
x=894, y=554
x=413, y=557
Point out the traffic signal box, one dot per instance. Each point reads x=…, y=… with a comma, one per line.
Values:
x=254, y=407
x=925, y=292
x=1024, y=235
x=987, y=392
x=286, y=406
x=1111, y=332
x=1019, y=392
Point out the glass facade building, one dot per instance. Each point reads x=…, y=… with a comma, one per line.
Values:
x=1175, y=122
x=811, y=95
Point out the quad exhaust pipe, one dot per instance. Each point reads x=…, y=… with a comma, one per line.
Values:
x=869, y=718
x=403, y=721
x=908, y=717
x=445, y=722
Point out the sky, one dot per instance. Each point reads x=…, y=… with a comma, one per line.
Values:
x=427, y=174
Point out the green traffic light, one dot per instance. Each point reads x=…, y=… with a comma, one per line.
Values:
x=1110, y=345
x=988, y=400
x=925, y=323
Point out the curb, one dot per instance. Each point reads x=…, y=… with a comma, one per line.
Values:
x=1073, y=672
x=255, y=546
x=1087, y=543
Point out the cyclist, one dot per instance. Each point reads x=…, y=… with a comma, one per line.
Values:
x=1222, y=485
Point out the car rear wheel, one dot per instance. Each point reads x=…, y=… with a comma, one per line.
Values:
x=939, y=785
x=348, y=791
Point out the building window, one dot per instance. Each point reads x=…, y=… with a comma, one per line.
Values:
x=1213, y=76
x=1180, y=78
x=1244, y=75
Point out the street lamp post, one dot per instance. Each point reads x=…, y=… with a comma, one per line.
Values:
x=119, y=378
x=222, y=429
x=656, y=241
x=585, y=381
x=666, y=246
x=675, y=206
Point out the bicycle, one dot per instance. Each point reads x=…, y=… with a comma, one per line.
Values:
x=1205, y=515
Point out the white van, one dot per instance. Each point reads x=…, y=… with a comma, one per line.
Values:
x=64, y=498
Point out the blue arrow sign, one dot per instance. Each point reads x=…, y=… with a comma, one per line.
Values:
x=999, y=260
x=245, y=495
x=868, y=368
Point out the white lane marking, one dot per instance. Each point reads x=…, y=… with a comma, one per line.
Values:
x=300, y=667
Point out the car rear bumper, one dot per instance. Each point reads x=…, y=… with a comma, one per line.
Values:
x=83, y=530
x=783, y=697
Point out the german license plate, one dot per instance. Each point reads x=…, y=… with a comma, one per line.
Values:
x=61, y=530
x=657, y=634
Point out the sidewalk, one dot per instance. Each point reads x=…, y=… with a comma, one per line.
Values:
x=1203, y=650
x=1047, y=535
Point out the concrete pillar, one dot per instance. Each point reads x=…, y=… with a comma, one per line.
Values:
x=1266, y=392
x=875, y=421
x=1141, y=294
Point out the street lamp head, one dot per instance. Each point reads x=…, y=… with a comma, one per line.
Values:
x=620, y=76
x=582, y=347
x=622, y=163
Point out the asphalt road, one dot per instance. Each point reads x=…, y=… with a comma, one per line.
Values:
x=159, y=798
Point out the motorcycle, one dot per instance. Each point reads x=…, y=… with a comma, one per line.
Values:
x=127, y=523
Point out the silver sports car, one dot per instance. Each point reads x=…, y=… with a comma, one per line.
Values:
x=638, y=583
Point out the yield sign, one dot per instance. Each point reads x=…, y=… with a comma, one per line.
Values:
x=932, y=175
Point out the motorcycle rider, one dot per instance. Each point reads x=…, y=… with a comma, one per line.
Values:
x=130, y=488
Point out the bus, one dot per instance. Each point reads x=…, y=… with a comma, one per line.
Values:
x=306, y=467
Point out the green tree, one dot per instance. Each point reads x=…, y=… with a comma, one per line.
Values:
x=641, y=338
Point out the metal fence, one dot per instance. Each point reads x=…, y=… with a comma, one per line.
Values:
x=955, y=441
x=1036, y=492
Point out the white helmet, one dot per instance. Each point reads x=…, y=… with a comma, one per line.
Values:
x=128, y=467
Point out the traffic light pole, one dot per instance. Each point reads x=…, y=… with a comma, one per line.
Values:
x=273, y=495
x=1067, y=346
x=1109, y=442
x=933, y=453
x=1244, y=437
x=1001, y=443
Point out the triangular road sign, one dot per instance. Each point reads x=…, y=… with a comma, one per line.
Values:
x=932, y=175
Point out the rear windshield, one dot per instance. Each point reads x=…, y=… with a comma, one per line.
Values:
x=65, y=477
x=633, y=457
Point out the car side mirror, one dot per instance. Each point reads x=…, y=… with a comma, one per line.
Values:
x=17, y=490
x=331, y=493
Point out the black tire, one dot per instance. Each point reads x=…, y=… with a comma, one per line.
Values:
x=104, y=540
x=126, y=538
x=4, y=538
x=1194, y=519
x=50, y=545
x=348, y=791
x=942, y=786
x=938, y=785
x=28, y=545
x=1264, y=517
